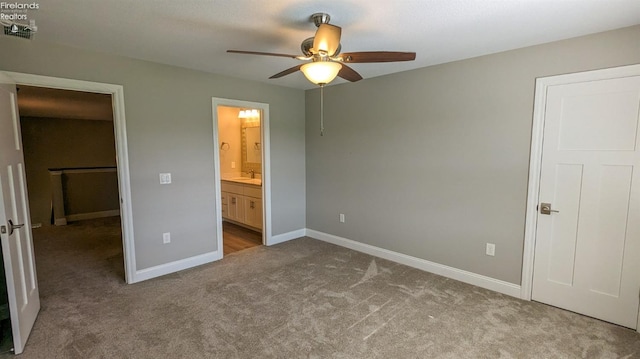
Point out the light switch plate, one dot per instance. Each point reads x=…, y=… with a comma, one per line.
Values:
x=166, y=237
x=165, y=178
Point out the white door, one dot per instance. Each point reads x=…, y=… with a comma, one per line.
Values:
x=15, y=224
x=587, y=254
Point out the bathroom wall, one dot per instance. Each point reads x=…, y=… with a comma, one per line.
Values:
x=229, y=131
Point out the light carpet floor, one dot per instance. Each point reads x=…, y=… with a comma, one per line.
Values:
x=300, y=299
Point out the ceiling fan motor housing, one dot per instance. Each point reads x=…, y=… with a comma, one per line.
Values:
x=307, y=44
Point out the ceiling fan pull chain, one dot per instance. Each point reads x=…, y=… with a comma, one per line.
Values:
x=321, y=109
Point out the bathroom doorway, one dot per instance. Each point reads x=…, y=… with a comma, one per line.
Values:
x=242, y=169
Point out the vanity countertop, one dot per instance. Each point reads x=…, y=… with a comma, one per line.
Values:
x=244, y=180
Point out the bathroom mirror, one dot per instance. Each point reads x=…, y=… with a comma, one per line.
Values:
x=251, y=149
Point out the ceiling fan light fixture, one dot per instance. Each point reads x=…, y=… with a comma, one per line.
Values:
x=321, y=72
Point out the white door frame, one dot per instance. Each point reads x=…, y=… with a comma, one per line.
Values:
x=122, y=155
x=535, y=163
x=266, y=166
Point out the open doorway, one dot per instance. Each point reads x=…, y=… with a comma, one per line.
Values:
x=68, y=149
x=242, y=174
x=70, y=155
x=116, y=93
x=71, y=172
x=240, y=161
x=17, y=253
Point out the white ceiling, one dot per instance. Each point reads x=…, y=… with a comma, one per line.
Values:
x=196, y=33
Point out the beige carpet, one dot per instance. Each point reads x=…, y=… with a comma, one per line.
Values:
x=300, y=299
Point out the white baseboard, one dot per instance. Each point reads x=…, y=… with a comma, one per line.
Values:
x=92, y=215
x=176, y=266
x=187, y=263
x=422, y=264
x=287, y=236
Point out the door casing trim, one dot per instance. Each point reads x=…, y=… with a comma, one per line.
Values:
x=535, y=162
x=266, y=166
x=122, y=154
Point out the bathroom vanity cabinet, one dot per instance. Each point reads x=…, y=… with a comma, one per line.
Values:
x=242, y=204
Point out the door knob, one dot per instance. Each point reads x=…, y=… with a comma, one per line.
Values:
x=545, y=208
x=12, y=227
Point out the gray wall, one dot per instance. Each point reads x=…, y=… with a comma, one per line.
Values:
x=56, y=143
x=169, y=128
x=86, y=193
x=433, y=162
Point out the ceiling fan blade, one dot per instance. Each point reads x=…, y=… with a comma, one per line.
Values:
x=286, y=72
x=261, y=53
x=349, y=74
x=327, y=39
x=377, y=56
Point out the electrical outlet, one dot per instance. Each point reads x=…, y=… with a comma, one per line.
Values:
x=166, y=237
x=341, y=217
x=491, y=249
x=233, y=164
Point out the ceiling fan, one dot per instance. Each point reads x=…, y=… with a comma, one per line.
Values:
x=323, y=56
